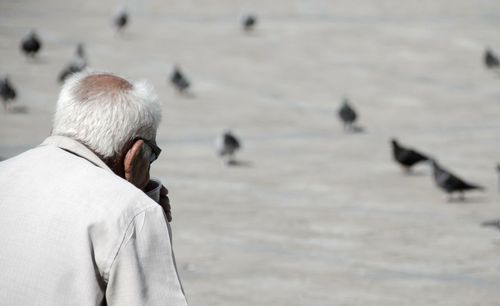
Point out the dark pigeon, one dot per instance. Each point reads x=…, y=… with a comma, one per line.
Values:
x=450, y=183
x=178, y=80
x=77, y=64
x=491, y=61
x=347, y=114
x=406, y=157
x=31, y=44
x=249, y=22
x=7, y=92
x=80, y=51
x=121, y=20
x=227, y=145
x=498, y=171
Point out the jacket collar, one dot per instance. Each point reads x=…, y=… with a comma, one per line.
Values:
x=76, y=148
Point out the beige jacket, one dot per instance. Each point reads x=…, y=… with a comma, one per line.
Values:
x=74, y=233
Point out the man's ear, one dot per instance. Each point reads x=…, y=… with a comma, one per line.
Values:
x=131, y=158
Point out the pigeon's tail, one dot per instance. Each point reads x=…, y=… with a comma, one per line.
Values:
x=425, y=157
x=476, y=187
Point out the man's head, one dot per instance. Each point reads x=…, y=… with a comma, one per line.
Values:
x=111, y=116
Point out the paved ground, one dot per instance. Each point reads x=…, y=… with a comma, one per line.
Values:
x=315, y=216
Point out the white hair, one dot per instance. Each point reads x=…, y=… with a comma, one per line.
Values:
x=106, y=120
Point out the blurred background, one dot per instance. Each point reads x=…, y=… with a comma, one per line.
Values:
x=308, y=211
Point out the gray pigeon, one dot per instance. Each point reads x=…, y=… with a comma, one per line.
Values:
x=178, y=80
x=490, y=59
x=406, y=157
x=31, y=44
x=347, y=114
x=227, y=145
x=80, y=51
x=121, y=20
x=498, y=171
x=451, y=183
x=249, y=22
x=7, y=93
x=77, y=64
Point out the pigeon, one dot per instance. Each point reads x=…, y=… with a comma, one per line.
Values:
x=227, y=145
x=249, y=22
x=347, y=115
x=178, y=80
x=498, y=171
x=77, y=64
x=491, y=61
x=121, y=20
x=406, y=157
x=451, y=183
x=31, y=44
x=7, y=92
x=80, y=51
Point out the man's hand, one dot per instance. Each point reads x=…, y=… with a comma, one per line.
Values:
x=136, y=165
x=165, y=203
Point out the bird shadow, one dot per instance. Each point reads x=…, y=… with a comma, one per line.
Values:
x=496, y=74
x=38, y=60
x=127, y=36
x=252, y=33
x=240, y=163
x=493, y=223
x=355, y=129
x=415, y=173
x=18, y=109
x=466, y=201
x=186, y=95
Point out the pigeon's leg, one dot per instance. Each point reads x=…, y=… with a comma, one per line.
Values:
x=462, y=196
x=6, y=106
x=223, y=159
x=348, y=127
x=230, y=159
x=32, y=57
x=450, y=197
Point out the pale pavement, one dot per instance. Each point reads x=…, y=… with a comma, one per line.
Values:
x=316, y=217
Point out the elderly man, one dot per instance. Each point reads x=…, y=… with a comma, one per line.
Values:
x=76, y=225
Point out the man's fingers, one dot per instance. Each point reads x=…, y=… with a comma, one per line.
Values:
x=165, y=204
x=163, y=190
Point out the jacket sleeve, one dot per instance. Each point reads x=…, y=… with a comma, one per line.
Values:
x=144, y=271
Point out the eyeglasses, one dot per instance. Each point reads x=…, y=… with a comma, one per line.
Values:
x=156, y=150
